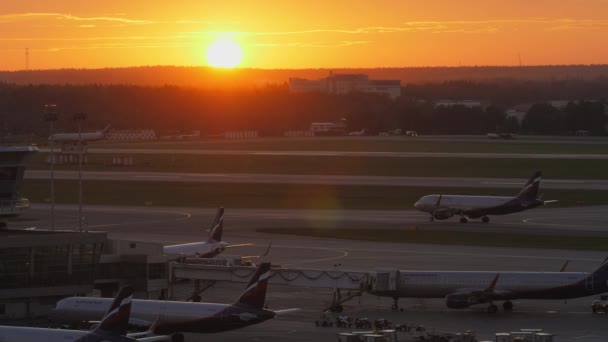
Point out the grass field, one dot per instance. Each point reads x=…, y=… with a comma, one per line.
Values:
x=447, y=237
x=374, y=144
x=330, y=165
x=239, y=195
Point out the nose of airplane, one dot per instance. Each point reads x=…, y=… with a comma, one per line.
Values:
x=417, y=204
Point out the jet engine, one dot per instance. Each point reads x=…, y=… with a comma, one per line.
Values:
x=442, y=214
x=461, y=300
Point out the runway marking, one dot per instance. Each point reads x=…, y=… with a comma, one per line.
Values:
x=160, y=177
x=344, y=255
x=587, y=227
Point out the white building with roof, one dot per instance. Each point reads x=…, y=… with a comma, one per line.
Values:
x=346, y=83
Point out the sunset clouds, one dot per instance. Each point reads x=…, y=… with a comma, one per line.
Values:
x=298, y=35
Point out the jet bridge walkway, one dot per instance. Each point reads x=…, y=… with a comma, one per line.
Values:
x=354, y=282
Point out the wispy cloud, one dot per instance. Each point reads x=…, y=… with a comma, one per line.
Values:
x=63, y=16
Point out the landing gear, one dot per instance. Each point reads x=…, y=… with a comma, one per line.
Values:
x=485, y=219
x=507, y=306
x=395, y=306
x=463, y=220
x=492, y=309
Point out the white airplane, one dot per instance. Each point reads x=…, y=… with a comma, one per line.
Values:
x=442, y=207
x=205, y=249
x=184, y=317
x=74, y=137
x=463, y=289
x=112, y=328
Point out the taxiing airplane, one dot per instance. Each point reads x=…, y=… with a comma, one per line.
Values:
x=184, y=317
x=463, y=289
x=442, y=207
x=112, y=328
x=205, y=249
x=75, y=137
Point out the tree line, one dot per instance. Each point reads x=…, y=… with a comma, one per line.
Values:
x=272, y=109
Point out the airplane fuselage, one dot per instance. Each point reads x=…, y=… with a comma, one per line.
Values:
x=173, y=316
x=509, y=285
x=472, y=206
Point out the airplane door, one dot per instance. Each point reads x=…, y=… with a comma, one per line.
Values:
x=589, y=283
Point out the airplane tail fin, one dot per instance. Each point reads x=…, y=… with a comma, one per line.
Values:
x=603, y=269
x=116, y=320
x=105, y=129
x=217, y=227
x=255, y=293
x=530, y=190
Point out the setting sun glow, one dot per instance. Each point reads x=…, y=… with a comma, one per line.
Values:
x=224, y=54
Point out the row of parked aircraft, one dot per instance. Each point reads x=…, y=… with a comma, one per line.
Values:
x=165, y=320
x=168, y=320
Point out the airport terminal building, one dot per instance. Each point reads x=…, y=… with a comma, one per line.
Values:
x=37, y=268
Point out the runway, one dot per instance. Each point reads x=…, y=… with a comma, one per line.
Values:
x=134, y=151
x=447, y=182
x=572, y=321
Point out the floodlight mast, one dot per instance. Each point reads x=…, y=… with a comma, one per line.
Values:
x=51, y=115
x=79, y=118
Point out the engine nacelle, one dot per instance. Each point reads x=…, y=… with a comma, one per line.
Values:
x=442, y=214
x=461, y=300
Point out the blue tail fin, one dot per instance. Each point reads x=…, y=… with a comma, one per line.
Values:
x=530, y=191
x=255, y=293
x=116, y=320
x=218, y=226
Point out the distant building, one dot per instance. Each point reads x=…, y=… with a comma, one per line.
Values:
x=328, y=128
x=560, y=104
x=518, y=112
x=131, y=134
x=346, y=83
x=465, y=103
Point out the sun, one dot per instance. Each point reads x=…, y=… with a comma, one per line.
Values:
x=224, y=53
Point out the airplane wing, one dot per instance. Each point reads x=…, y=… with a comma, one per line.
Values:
x=466, y=297
x=259, y=256
x=286, y=311
x=149, y=336
x=240, y=245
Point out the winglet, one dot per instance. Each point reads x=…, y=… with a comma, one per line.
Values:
x=493, y=284
x=438, y=201
x=218, y=226
x=267, y=250
x=116, y=320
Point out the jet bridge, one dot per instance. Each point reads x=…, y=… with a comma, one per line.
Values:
x=355, y=282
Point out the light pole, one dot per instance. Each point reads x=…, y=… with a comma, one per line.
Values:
x=79, y=118
x=50, y=116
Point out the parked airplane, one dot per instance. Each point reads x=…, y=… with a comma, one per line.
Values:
x=463, y=289
x=205, y=249
x=442, y=207
x=112, y=328
x=184, y=317
x=74, y=137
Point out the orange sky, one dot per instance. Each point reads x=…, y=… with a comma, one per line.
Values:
x=303, y=34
